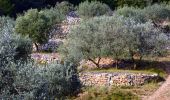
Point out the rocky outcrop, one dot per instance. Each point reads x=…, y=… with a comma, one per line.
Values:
x=115, y=79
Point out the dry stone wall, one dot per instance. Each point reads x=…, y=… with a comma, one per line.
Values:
x=115, y=79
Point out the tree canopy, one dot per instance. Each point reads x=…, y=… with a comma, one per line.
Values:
x=13, y=7
x=116, y=37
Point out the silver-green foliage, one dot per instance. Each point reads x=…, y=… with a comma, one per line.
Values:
x=23, y=79
x=131, y=12
x=95, y=38
x=36, y=24
x=143, y=39
x=61, y=80
x=6, y=22
x=91, y=9
x=64, y=7
x=26, y=80
x=156, y=12
x=13, y=45
x=12, y=48
x=31, y=81
x=117, y=37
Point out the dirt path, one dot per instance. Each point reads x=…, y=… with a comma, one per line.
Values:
x=163, y=93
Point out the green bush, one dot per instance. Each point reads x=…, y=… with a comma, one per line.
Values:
x=21, y=78
x=54, y=15
x=6, y=22
x=13, y=45
x=64, y=7
x=136, y=3
x=31, y=81
x=61, y=79
x=157, y=12
x=132, y=12
x=12, y=48
x=91, y=9
x=110, y=3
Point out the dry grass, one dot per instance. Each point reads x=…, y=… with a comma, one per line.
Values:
x=123, y=71
x=116, y=93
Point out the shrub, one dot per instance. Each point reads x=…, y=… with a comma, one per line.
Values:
x=62, y=80
x=23, y=79
x=30, y=81
x=91, y=9
x=12, y=48
x=132, y=12
x=157, y=12
x=12, y=45
x=6, y=22
x=23, y=47
x=54, y=15
x=137, y=3
x=64, y=7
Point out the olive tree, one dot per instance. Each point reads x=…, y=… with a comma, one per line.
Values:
x=91, y=9
x=116, y=37
x=96, y=38
x=143, y=39
x=36, y=24
x=33, y=24
x=84, y=42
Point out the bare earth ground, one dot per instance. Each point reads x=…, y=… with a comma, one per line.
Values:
x=163, y=93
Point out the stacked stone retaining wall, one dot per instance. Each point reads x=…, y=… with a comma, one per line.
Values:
x=115, y=79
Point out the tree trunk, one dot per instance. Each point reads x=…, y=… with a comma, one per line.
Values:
x=133, y=60
x=97, y=64
x=36, y=46
x=140, y=60
x=116, y=64
x=134, y=65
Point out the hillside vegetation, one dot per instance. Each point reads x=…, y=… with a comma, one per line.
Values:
x=132, y=36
